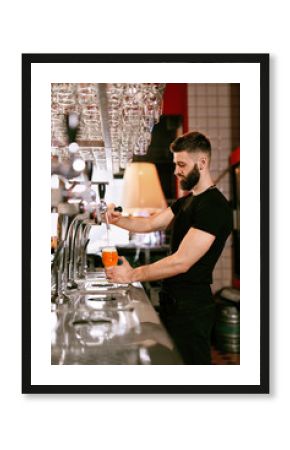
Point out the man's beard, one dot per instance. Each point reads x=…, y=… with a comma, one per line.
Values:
x=191, y=180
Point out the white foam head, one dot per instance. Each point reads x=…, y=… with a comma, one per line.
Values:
x=109, y=249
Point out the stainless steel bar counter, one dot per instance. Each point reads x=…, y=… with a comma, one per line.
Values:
x=112, y=324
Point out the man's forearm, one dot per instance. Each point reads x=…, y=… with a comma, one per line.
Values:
x=135, y=224
x=165, y=268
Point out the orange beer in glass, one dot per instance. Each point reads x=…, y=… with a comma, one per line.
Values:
x=109, y=256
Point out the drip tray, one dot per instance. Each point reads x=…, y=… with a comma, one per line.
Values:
x=102, y=285
x=113, y=301
x=104, y=298
x=93, y=328
x=91, y=322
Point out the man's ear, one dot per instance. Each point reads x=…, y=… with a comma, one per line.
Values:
x=202, y=162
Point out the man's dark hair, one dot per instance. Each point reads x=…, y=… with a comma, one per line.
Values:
x=191, y=142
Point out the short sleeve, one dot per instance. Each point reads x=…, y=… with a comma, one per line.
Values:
x=209, y=217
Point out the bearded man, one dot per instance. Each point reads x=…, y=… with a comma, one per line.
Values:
x=201, y=222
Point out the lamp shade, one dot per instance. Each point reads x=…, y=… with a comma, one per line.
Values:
x=142, y=189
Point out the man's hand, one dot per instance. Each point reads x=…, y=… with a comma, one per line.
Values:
x=113, y=216
x=120, y=274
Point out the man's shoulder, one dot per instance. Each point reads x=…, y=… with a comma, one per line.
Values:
x=215, y=204
x=215, y=196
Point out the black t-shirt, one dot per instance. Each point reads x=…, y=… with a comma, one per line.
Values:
x=209, y=211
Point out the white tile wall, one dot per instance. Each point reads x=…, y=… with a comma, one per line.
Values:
x=209, y=110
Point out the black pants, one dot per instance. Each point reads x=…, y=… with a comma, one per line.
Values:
x=189, y=321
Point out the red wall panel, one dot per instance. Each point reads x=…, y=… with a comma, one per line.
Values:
x=175, y=101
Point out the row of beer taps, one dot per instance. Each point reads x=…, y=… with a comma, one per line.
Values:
x=78, y=211
x=74, y=224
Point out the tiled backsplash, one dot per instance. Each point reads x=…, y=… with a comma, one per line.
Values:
x=213, y=109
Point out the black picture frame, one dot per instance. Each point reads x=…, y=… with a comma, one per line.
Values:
x=263, y=61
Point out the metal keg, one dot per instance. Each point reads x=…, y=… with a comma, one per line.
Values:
x=227, y=326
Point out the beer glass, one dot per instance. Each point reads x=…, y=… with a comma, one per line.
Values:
x=109, y=256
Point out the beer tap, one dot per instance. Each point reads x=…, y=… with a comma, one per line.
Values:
x=103, y=207
x=102, y=191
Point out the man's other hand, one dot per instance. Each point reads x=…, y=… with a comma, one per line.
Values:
x=113, y=216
